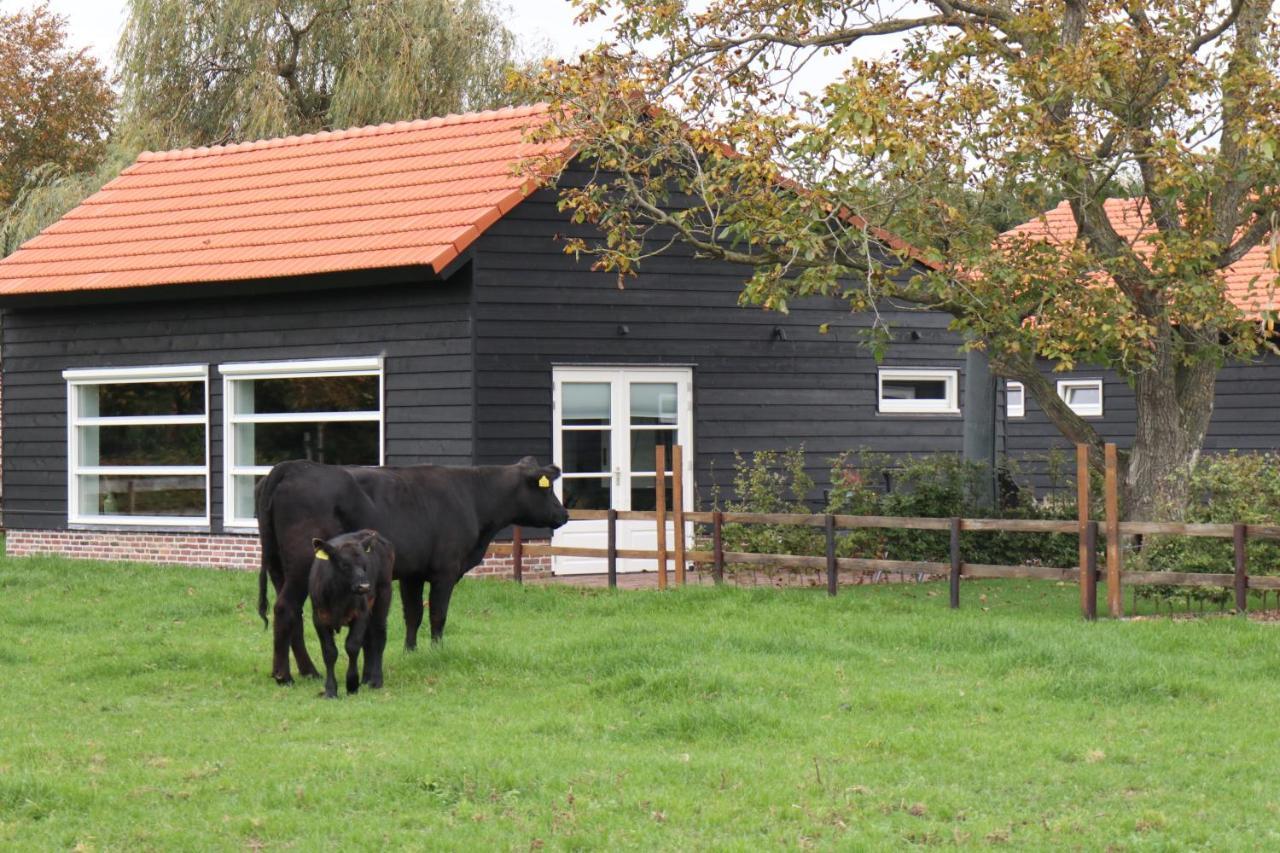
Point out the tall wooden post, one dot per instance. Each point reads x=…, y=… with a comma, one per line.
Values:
x=677, y=508
x=517, y=554
x=612, y=548
x=660, y=484
x=1089, y=572
x=1082, y=506
x=833, y=568
x=1115, y=605
x=955, y=563
x=717, y=546
x=1241, y=578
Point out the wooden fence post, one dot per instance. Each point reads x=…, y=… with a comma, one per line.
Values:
x=1082, y=513
x=517, y=554
x=612, y=546
x=717, y=546
x=1089, y=572
x=660, y=484
x=1241, y=579
x=833, y=577
x=1115, y=604
x=677, y=508
x=955, y=563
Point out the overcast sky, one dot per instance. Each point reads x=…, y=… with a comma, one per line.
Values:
x=96, y=24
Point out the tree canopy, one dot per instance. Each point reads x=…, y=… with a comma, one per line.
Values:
x=55, y=102
x=1175, y=103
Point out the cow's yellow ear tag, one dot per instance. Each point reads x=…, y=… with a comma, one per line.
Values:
x=321, y=555
x=544, y=482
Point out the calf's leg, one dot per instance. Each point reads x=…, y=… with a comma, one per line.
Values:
x=441, y=592
x=411, y=601
x=355, y=640
x=329, y=649
x=375, y=639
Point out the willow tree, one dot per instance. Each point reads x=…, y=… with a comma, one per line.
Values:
x=205, y=72
x=1175, y=101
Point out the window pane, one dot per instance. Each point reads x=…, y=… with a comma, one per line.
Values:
x=135, y=399
x=334, y=442
x=242, y=501
x=178, y=444
x=914, y=389
x=586, y=451
x=115, y=495
x=585, y=403
x=643, y=442
x=308, y=394
x=1085, y=396
x=644, y=494
x=653, y=403
x=586, y=492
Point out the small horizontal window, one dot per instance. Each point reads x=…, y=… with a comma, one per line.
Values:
x=1082, y=396
x=918, y=391
x=1015, y=403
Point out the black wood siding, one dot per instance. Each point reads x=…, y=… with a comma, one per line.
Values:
x=1246, y=417
x=422, y=329
x=536, y=306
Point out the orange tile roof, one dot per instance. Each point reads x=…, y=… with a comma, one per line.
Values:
x=404, y=194
x=1250, y=282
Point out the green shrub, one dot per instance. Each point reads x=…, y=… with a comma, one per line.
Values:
x=1225, y=488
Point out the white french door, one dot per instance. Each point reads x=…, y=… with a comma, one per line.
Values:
x=608, y=422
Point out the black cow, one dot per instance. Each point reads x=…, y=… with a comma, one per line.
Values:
x=351, y=586
x=440, y=521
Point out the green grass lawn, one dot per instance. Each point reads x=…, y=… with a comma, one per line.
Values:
x=137, y=713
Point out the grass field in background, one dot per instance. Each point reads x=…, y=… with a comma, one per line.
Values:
x=137, y=713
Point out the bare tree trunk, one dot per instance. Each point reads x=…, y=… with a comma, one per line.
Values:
x=1174, y=406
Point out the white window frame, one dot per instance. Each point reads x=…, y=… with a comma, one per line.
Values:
x=1010, y=410
x=77, y=378
x=948, y=406
x=305, y=369
x=1064, y=385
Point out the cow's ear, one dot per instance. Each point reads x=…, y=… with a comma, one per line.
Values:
x=322, y=549
x=528, y=462
x=543, y=477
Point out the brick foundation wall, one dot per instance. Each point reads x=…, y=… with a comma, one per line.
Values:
x=218, y=551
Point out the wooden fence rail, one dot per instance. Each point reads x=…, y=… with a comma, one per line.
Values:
x=1086, y=529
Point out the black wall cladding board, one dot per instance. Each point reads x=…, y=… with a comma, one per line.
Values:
x=423, y=330
x=535, y=307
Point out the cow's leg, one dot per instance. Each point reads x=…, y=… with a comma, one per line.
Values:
x=287, y=623
x=441, y=591
x=355, y=640
x=329, y=649
x=306, y=668
x=411, y=601
x=375, y=640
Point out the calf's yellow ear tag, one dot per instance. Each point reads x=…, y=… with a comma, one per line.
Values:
x=544, y=482
x=321, y=555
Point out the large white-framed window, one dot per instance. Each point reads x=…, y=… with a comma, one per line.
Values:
x=325, y=410
x=138, y=446
x=1015, y=399
x=1082, y=396
x=932, y=391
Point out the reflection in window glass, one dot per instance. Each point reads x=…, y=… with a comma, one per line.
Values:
x=314, y=394
x=120, y=495
x=644, y=494
x=587, y=492
x=585, y=451
x=643, y=443
x=914, y=389
x=653, y=403
x=141, y=399
x=585, y=403
x=166, y=444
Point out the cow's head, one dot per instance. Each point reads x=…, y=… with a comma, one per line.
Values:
x=536, y=501
x=353, y=557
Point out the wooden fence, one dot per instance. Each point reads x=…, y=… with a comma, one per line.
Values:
x=1088, y=531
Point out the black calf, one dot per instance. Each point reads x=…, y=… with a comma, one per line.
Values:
x=350, y=585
